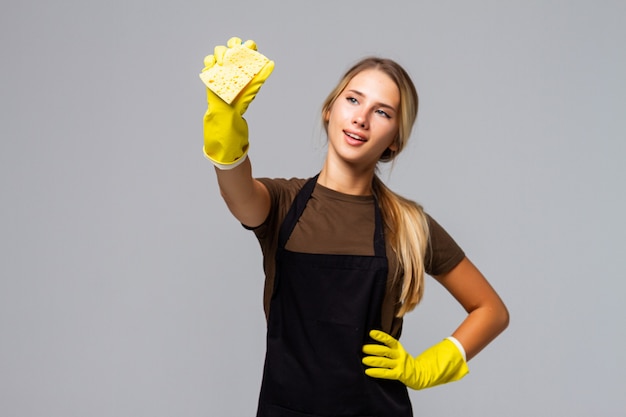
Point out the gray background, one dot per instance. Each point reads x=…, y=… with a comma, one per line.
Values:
x=127, y=289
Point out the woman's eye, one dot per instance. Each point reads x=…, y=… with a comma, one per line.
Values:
x=383, y=113
x=352, y=99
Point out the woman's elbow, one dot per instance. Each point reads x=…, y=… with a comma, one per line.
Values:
x=502, y=317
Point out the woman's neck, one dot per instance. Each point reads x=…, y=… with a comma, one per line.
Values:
x=345, y=179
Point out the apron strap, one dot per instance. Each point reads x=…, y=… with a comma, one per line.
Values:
x=295, y=211
x=379, y=231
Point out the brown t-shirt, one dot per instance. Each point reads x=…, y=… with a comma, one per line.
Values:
x=336, y=223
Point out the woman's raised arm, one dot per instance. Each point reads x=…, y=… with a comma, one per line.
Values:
x=234, y=75
x=247, y=199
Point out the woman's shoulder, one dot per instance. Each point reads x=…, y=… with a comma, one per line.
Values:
x=282, y=192
x=281, y=188
x=293, y=182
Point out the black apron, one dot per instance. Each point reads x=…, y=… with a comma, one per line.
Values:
x=321, y=311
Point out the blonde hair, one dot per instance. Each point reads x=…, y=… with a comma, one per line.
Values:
x=405, y=221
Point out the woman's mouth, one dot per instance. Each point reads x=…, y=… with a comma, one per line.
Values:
x=354, y=137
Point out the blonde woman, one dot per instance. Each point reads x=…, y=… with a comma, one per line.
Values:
x=345, y=257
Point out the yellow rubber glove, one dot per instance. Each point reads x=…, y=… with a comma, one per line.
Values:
x=225, y=129
x=438, y=365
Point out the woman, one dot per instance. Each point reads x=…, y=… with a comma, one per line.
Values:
x=345, y=257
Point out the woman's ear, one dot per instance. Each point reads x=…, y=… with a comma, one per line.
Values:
x=326, y=116
x=394, y=145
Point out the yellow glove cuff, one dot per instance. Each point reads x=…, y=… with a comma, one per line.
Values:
x=226, y=167
x=458, y=345
x=439, y=364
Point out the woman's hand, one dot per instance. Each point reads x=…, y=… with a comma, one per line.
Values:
x=440, y=364
x=225, y=129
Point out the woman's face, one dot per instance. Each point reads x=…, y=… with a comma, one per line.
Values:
x=363, y=120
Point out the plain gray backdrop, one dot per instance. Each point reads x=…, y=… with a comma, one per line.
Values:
x=126, y=287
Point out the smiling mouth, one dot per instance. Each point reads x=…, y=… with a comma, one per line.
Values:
x=355, y=137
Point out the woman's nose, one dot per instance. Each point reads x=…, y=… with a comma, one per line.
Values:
x=360, y=121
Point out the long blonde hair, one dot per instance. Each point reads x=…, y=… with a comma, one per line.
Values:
x=405, y=221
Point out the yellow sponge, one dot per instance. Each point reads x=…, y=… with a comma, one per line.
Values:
x=240, y=65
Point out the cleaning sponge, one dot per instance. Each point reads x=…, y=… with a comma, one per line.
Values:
x=240, y=64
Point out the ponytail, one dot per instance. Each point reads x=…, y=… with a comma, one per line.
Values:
x=407, y=232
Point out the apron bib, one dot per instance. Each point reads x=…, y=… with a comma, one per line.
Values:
x=322, y=309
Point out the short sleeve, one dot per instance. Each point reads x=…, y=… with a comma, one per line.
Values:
x=443, y=253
